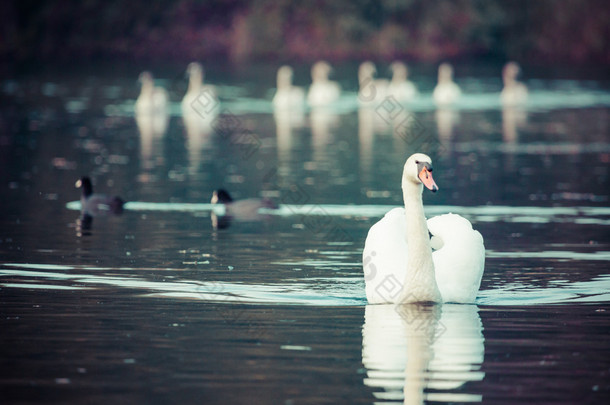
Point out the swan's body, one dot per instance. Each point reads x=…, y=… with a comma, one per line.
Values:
x=322, y=91
x=398, y=260
x=446, y=91
x=151, y=112
x=514, y=92
x=152, y=99
x=199, y=99
x=400, y=87
x=287, y=96
x=372, y=92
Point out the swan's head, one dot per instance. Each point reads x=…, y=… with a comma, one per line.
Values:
x=145, y=77
x=320, y=71
x=194, y=69
x=366, y=71
x=510, y=72
x=418, y=170
x=284, y=77
x=399, y=71
x=445, y=73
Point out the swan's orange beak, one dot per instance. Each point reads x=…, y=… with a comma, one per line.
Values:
x=426, y=177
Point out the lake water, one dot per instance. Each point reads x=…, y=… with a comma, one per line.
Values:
x=157, y=305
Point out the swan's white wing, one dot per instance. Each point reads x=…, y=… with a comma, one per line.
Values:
x=446, y=93
x=292, y=98
x=460, y=258
x=404, y=91
x=384, y=258
x=202, y=101
x=323, y=93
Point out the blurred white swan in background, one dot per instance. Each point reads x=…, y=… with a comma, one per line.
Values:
x=152, y=99
x=200, y=99
x=514, y=92
x=287, y=96
x=322, y=91
x=371, y=92
x=398, y=262
x=446, y=91
x=400, y=87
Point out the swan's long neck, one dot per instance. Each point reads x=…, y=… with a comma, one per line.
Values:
x=284, y=82
x=420, y=283
x=148, y=87
x=195, y=82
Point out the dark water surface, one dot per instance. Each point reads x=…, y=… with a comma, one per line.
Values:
x=158, y=306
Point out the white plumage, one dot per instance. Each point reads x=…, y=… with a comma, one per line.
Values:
x=400, y=87
x=372, y=91
x=514, y=92
x=456, y=266
x=446, y=91
x=287, y=96
x=200, y=99
x=152, y=99
x=322, y=91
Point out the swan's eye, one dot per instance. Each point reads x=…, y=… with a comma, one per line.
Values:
x=417, y=162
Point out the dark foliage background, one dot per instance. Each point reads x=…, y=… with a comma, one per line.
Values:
x=542, y=31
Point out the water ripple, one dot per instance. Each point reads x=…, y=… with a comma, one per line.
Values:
x=315, y=291
x=482, y=213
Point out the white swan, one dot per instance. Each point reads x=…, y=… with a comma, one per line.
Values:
x=372, y=92
x=398, y=261
x=287, y=96
x=514, y=92
x=400, y=87
x=322, y=91
x=152, y=99
x=199, y=98
x=446, y=91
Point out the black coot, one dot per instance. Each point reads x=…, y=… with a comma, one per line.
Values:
x=97, y=204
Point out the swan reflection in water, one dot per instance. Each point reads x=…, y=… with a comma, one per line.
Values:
x=446, y=121
x=514, y=119
x=286, y=123
x=152, y=129
x=198, y=130
x=422, y=352
x=324, y=124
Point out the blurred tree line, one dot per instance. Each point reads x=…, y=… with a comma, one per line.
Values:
x=542, y=31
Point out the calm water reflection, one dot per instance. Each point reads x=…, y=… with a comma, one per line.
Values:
x=158, y=305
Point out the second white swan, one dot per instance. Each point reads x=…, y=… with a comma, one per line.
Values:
x=398, y=259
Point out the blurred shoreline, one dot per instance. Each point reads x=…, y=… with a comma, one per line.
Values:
x=543, y=32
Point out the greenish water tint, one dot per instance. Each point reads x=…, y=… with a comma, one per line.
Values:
x=161, y=304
